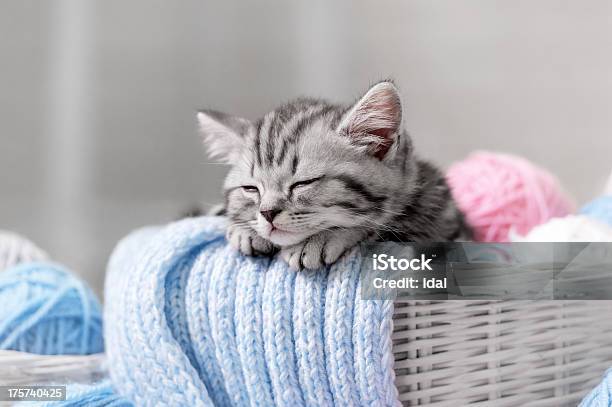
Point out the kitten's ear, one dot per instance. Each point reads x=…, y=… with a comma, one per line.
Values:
x=374, y=122
x=223, y=134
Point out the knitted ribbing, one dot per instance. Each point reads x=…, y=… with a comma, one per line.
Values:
x=146, y=363
x=339, y=308
x=372, y=340
x=308, y=320
x=221, y=302
x=249, y=332
x=190, y=322
x=199, y=323
x=279, y=341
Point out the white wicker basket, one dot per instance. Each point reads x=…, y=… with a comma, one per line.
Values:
x=500, y=353
x=30, y=369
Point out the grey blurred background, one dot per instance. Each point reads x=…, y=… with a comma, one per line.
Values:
x=97, y=98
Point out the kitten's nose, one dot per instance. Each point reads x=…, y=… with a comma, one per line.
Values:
x=270, y=215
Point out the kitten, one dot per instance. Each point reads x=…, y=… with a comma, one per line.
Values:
x=314, y=179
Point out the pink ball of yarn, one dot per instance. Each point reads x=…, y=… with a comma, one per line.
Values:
x=502, y=194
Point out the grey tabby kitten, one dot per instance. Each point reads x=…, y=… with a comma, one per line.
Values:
x=314, y=179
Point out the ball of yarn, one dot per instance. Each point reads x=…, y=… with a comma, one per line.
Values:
x=46, y=310
x=15, y=249
x=572, y=228
x=499, y=193
x=599, y=209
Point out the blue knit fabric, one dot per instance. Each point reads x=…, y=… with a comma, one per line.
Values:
x=79, y=395
x=600, y=396
x=189, y=322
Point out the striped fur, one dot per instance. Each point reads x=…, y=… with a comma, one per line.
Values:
x=331, y=176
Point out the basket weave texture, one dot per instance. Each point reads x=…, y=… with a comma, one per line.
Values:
x=22, y=368
x=500, y=353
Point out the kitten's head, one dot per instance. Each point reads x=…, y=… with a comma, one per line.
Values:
x=309, y=165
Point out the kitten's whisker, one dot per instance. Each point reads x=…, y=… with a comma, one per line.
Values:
x=385, y=210
x=381, y=226
x=332, y=228
x=372, y=220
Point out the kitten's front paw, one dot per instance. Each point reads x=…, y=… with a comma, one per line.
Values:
x=248, y=242
x=316, y=251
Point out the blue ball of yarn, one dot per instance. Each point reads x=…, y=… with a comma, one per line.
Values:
x=599, y=209
x=46, y=310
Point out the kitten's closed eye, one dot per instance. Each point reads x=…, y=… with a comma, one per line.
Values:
x=250, y=188
x=304, y=183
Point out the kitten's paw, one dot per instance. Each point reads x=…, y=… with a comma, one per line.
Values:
x=248, y=242
x=316, y=251
x=306, y=254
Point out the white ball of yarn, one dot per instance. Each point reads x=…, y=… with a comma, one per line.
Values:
x=572, y=228
x=15, y=249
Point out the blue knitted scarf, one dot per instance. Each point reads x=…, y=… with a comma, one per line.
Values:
x=189, y=322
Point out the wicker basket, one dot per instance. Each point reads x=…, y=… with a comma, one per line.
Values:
x=29, y=369
x=21, y=368
x=500, y=353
